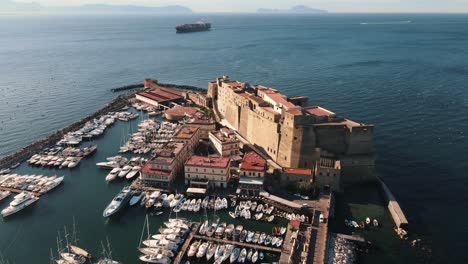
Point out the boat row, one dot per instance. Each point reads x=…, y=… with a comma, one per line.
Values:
x=120, y=162
x=128, y=172
x=160, y=248
x=223, y=252
x=126, y=116
x=195, y=205
x=159, y=200
x=90, y=130
x=61, y=158
x=362, y=224
x=32, y=183
x=238, y=233
x=151, y=135
x=8, y=170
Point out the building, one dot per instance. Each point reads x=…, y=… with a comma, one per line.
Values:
x=157, y=95
x=167, y=163
x=213, y=170
x=189, y=135
x=200, y=99
x=327, y=173
x=225, y=142
x=296, y=176
x=252, y=165
x=180, y=112
x=206, y=124
x=292, y=134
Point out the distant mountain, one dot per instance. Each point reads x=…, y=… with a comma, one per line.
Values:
x=102, y=8
x=300, y=9
x=8, y=6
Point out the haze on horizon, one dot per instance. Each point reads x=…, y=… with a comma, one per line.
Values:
x=361, y=6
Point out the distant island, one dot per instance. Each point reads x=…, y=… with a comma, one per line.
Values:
x=8, y=6
x=300, y=9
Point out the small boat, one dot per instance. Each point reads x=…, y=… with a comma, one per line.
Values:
x=73, y=258
x=249, y=255
x=242, y=256
x=261, y=256
x=234, y=255
x=160, y=259
x=268, y=240
x=79, y=251
x=255, y=256
x=375, y=222
x=14, y=166
x=227, y=252
x=157, y=213
x=125, y=170
x=156, y=251
x=233, y=215
x=4, y=194
x=219, y=252
x=271, y=218
x=131, y=174
x=279, y=242
x=193, y=248
x=362, y=225
x=202, y=250
x=368, y=221
x=210, y=251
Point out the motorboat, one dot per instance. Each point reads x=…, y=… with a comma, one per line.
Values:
x=368, y=221
x=125, y=170
x=159, y=259
x=156, y=251
x=235, y=255
x=202, y=250
x=193, y=248
x=219, y=252
x=131, y=174
x=242, y=256
x=227, y=252
x=375, y=222
x=279, y=243
x=118, y=202
x=210, y=251
x=249, y=255
x=112, y=174
x=4, y=194
x=255, y=257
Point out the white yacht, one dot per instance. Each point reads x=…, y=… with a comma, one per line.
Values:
x=20, y=202
x=112, y=174
x=133, y=172
x=4, y=194
x=125, y=170
x=118, y=202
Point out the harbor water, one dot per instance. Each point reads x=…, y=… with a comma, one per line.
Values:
x=409, y=79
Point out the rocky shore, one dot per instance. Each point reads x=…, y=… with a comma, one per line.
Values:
x=24, y=153
x=341, y=251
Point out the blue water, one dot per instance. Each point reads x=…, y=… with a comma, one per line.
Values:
x=409, y=79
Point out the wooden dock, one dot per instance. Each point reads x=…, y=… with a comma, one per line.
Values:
x=19, y=191
x=186, y=245
x=237, y=243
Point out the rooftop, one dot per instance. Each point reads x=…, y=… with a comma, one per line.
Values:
x=182, y=111
x=186, y=132
x=225, y=135
x=161, y=95
x=252, y=162
x=148, y=170
x=211, y=162
x=250, y=180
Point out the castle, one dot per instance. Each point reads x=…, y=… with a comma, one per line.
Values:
x=293, y=134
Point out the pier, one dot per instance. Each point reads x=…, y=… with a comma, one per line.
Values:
x=19, y=191
x=186, y=245
x=237, y=243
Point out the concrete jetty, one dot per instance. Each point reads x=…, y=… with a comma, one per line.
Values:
x=394, y=207
x=237, y=243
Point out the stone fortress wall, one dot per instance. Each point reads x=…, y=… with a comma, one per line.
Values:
x=293, y=134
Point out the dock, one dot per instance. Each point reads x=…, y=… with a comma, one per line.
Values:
x=237, y=243
x=188, y=241
x=19, y=191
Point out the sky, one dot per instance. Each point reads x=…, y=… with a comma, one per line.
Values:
x=442, y=6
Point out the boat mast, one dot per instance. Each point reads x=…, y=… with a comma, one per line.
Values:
x=75, y=239
x=66, y=236
x=109, y=250
x=52, y=259
x=59, y=244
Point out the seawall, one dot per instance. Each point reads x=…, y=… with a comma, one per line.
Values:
x=128, y=87
x=24, y=153
x=394, y=207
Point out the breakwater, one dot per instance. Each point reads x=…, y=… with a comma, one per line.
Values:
x=24, y=153
x=394, y=207
x=128, y=87
x=183, y=87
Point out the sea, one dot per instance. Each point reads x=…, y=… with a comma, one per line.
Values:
x=405, y=73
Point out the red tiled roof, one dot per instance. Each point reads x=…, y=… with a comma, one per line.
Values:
x=160, y=95
x=186, y=132
x=210, y=162
x=297, y=171
x=279, y=98
x=252, y=162
x=147, y=170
